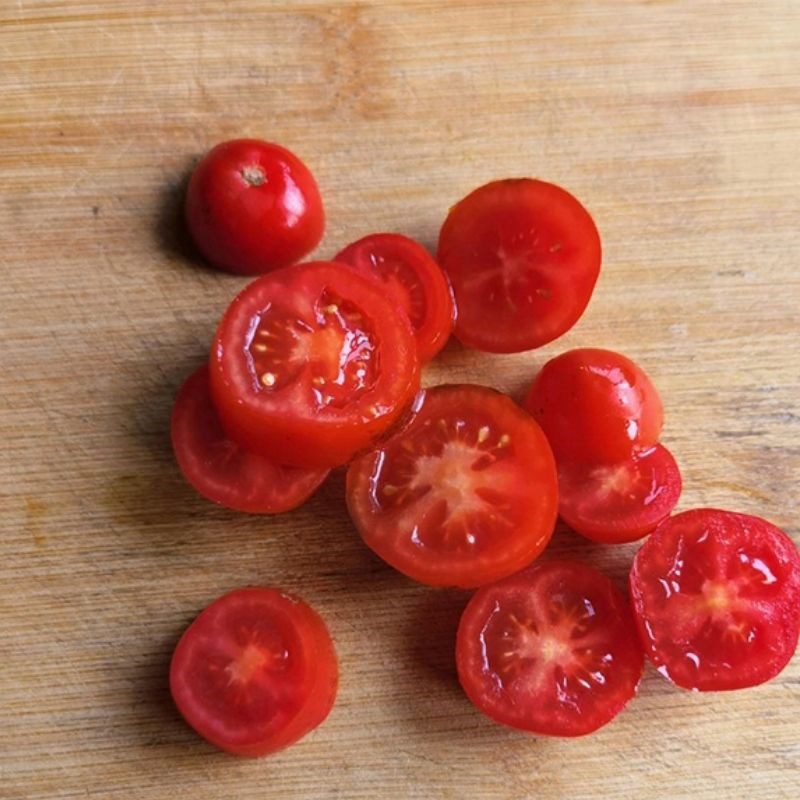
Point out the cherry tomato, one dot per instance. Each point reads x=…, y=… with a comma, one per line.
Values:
x=716, y=596
x=464, y=494
x=311, y=363
x=595, y=406
x=551, y=650
x=523, y=257
x=252, y=206
x=221, y=470
x=255, y=672
x=413, y=279
x=622, y=501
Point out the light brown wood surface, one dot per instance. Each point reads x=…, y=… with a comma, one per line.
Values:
x=677, y=125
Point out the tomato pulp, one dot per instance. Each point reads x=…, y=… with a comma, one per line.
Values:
x=255, y=672
x=310, y=364
x=465, y=493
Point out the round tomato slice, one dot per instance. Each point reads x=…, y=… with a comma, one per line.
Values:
x=595, y=406
x=255, y=672
x=311, y=363
x=464, y=494
x=622, y=501
x=716, y=596
x=551, y=650
x=413, y=279
x=221, y=470
x=523, y=257
x=253, y=206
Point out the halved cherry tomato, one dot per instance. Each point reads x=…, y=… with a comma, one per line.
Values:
x=413, y=279
x=551, y=650
x=221, y=470
x=311, y=363
x=621, y=501
x=255, y=672
x=595, y=406
x=523, y=257
x=252, y=206
x=717, y=599
x=464, y=494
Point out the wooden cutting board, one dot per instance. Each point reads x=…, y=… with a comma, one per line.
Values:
x=675, y=122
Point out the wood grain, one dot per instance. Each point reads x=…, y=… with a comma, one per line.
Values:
x=675, y=122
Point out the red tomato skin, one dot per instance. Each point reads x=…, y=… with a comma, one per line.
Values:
x=322, y=685
x=629, y=516
x=486, y=690
x=309, y=439
x=595, y=406
x=371, y=254
x=249, y=227
x=524, y=237
x=224, y=472
x=774, y=618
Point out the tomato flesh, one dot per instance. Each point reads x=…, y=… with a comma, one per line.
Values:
x=462, y=495
x=523, y=257
x=716, y=595
x=416, y=282
x=595, y=406
x=255, y=672
x=253, y=206
x=223, y=471
x=310, y=364
x=621, y=501
x=551, y=650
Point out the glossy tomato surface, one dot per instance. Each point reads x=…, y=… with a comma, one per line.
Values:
x=595, y=406
x=311, y=363
x=252, y=206
x=621, y=501
x=223, y=471
x=464, y=494
x=255, y=672
x=551, y=650
x=717, y=599
x=412, y=277
x=523, y=257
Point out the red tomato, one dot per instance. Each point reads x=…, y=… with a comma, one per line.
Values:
x=595, y=406
x=252, y=206
x=717, y=599
x=464, y=494
x=255, y=672
x=622, y=501
x=221, y=470
x=311, y=363
x=414, y=281
x=523, y=257
x=551, y=650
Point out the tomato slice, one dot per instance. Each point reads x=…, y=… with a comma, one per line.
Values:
x=523, y=257
x=716, y=596
x=413, y=279
x=255, y=672
x=595, y=406
x=311, y=363
x=464, y=494
x=223, y=471
x=619, y=502
x=551, y=650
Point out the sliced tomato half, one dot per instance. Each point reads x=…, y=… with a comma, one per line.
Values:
x=223, y=471
x=311, y=363
x=464, y=494
x=410, y=275
x=551, y=650
x=717, y=599
x=255, y=672
x=621, y=501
